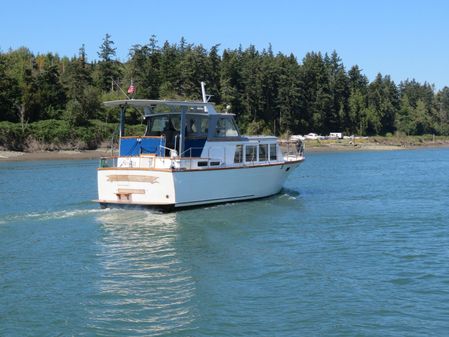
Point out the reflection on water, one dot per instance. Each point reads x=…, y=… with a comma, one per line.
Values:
x=143, y=281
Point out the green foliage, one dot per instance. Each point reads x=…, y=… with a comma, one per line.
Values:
x=74, y=114
x=258, y=128
x=51, y=131
x=268, y=93
x=12, y=136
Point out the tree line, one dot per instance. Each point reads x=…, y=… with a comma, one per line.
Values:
x=269, y=93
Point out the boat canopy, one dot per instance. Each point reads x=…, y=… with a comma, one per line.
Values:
x=150, y=103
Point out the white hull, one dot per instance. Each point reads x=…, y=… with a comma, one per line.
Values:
x=174, y=188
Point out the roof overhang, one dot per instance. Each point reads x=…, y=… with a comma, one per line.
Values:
x=150, y=102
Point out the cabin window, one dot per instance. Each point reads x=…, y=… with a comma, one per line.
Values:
x=273, y=152
x=214, y=163
x=263, y=152
x=250, y=153
x=226, y=128
x=202, y=163
x=238, y=155
x=158, y=124
x=196, y=126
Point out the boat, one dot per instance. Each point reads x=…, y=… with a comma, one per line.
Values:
x=191, y=155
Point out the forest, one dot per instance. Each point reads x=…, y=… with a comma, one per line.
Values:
x=49, y=101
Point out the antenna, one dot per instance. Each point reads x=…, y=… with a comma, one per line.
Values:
x=205, y=98
x=118, y=86
x=203, y=91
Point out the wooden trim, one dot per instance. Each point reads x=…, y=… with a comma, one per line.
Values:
x=198, y=170
x=129, y=137
x=130, y=191
x=134, y=178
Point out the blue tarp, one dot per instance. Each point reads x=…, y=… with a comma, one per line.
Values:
x=134, y=146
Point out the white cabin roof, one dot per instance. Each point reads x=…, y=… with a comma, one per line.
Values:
x=141, y=103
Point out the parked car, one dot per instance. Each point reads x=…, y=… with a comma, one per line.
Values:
x=296, y=137
x=312, y=136
x=336, y=135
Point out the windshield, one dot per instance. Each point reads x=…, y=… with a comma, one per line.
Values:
x=158, y=124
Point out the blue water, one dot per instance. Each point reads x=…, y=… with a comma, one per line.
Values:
x=357, y=244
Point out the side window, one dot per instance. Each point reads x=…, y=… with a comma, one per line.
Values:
x=273, y=154
x=250, y=153
x=263, y=152
x=226, y=128
x=238, y=155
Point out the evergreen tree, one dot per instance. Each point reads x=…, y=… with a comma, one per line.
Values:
x=169, y=72
x=108, y=70
x=50, y=93
x=383, y=103
x=9, y=93
x=231, y=83
x=144, y=68
x=441, y=112
x=288, y=100
x=357, y=122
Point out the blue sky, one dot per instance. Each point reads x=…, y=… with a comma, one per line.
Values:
x=405, y=39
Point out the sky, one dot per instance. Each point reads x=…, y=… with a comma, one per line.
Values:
x=403, y=39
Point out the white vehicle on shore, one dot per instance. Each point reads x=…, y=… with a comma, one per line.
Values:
x=312, y=136
x=294, y=138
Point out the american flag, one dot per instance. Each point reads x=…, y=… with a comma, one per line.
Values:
x=131, y=89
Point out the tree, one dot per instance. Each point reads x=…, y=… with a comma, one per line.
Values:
x=9, y=93
x=357, y=121
x=50, y=93
x=144, y=68
x=193, y=68
x=288, y=100
x=231, y=85
x=81, y=93
x=441, y=112
x=318, y=100
x=108, y=70
x=383, y=103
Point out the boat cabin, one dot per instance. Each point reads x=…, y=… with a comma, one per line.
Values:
x=191, y=135
x=181, y=131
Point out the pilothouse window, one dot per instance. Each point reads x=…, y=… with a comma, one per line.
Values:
x=160, y=124
x=226, y=128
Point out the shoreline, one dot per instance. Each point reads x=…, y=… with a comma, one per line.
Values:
x=310, y=147
x=15, y=156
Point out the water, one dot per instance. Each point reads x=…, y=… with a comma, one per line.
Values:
x=357, y=244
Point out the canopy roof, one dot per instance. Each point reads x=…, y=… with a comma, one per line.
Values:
x=152, y=102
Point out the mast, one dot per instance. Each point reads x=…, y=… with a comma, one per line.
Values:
x=203, y=92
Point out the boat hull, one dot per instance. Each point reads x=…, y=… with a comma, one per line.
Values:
x=173, y=189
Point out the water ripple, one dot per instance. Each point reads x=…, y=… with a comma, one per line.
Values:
x=142, y=276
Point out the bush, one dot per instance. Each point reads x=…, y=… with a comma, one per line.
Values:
x=52, y=131
x=12, y=137
x=258, y=128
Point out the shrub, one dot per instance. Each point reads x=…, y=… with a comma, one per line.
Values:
x=12, y=136
x=52, y=131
